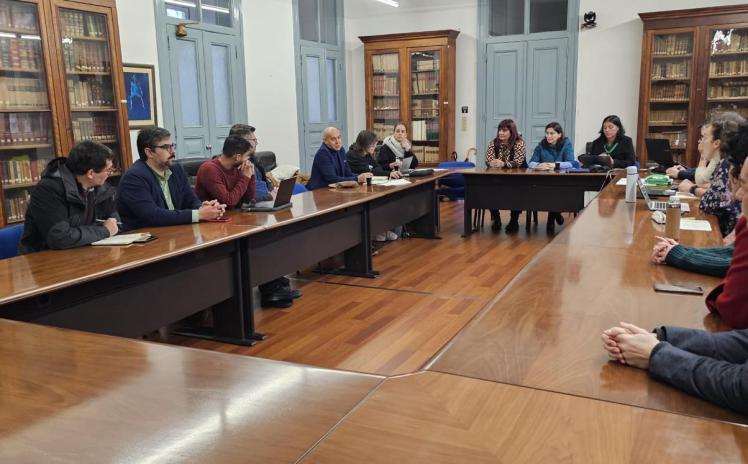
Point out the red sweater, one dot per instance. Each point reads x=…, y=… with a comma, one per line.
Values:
x=228, y=186
x=730, y=298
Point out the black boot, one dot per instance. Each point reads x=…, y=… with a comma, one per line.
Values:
x=513, y=225
x=559, y=218
x=496, y=221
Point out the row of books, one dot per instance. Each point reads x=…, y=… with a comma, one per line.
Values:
x=383, y=129
x=671, y=70
x=425, y=104
x=393, y=115
x=25, y=129
x=729, y=89
x=425, y=130
x=87, y=57
x=670, y=92
x=99, y=127
x=15, y=206
x=425, y=83
x=677, y=139
x=432, y=113
x=732, y=41
x=719, y=109
x=386, y=103
x=385, y=86
x=728, y=68
x=89, y=92
x=431, y=64
x=385, y=63
x=673, y=44
x=18, y=16
x=21, y=170
x=77, y=24
x=426, y=154
x=23, y=92
x=20, y=54
x=672, y=116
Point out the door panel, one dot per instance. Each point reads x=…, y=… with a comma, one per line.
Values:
x=221, y=57
x=546, y=89
x=505, y=85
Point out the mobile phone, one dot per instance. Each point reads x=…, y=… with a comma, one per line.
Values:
x=686, y=289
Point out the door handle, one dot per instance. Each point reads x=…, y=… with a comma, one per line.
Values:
x=208, y=147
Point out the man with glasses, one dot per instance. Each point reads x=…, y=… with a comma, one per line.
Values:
x=262, y=187
x=155, y=191
x=72, y=205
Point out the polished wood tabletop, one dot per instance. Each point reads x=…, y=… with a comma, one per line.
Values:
x=71, y=396
x=488, y=171
x=543, y=330
x=438, y=418
x=36, y=273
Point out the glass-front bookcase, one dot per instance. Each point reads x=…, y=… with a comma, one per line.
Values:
x=60, y=83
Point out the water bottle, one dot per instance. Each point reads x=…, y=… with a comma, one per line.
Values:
x=672, y=219
x=632, y=176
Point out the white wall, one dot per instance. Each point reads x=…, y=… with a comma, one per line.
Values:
x=372, y=18
x=610, y=60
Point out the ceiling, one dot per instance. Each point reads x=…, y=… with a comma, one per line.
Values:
x=364, y=8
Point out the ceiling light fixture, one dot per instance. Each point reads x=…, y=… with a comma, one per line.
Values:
x=390, y=3
x=181, y=3
x=217, y=9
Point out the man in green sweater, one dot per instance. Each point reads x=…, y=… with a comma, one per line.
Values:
x=709, y=261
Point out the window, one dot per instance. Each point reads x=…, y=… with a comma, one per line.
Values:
x=548, y=15
x=318, y=21
x=507, y=17
x=214, y=12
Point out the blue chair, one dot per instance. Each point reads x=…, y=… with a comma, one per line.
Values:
x=299, y=188
x=452, y=186
x=9, y=238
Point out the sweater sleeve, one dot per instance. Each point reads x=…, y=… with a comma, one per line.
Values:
x=535, y=160
x=567, y=152
x=518, y=160
x=709, y=261
x=490, y=153
x=719, y=382
x=626, y=156
x=212, y=180
x=729, y=299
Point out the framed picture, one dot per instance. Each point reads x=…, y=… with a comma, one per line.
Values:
x=140, y=89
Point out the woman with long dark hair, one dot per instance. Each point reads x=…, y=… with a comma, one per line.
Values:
x=554, y=148
x=613, y=146
x=507, y=151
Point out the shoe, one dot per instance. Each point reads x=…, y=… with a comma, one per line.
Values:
x=550, y=227
x=380, y=238
x=391, y=236
x=276, y=304
x=292, y=293
x=281, y=294
x=559, y=219
x=512, y=227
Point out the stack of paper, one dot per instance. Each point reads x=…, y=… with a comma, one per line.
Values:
x=124, y=239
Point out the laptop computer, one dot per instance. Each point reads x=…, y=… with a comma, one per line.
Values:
x=657, y=205
x=282, y=199
x=658, y=150
x=405, y=167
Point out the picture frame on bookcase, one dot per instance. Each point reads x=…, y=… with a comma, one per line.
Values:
x=140, y=89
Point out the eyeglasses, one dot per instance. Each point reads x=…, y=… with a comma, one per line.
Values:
x=166, y=146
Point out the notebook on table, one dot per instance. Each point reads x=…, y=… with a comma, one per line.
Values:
x=125, y=239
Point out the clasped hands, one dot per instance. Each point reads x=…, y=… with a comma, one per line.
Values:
x=210, y=210
x=496, y=163
x=661, y=249
x=629, y=344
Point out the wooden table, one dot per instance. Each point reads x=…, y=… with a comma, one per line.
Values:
x=71, y=396
x=526, y=190
x=543, y=331
x=438, y=418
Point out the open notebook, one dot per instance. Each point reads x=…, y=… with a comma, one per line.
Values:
x=125, y=239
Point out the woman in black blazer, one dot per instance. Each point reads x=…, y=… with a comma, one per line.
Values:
x=613, y=146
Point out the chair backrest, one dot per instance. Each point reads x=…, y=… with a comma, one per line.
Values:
x=190, y=166
x=299, y=188
x=9, y=238
x=266, y=159
x=456, y=165
x=588, y=149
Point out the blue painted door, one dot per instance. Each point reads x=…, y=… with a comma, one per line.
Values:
x=505, y=89
x=546, y=88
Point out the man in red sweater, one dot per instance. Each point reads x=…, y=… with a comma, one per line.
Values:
x=230, y=179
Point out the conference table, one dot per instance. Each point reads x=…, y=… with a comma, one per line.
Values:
x=131, y=291
x=523, y=189
x=543, y=330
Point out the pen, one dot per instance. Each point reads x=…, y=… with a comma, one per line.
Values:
x=104, y=220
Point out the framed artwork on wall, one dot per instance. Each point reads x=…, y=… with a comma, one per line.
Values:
x=140, y=88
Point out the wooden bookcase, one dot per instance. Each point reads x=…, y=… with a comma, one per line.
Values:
x=410, y=78
x=61, y=82
x=694, y=67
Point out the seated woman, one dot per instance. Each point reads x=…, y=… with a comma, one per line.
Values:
x=554, y=148
x=712, y=366
x=395, y=147
x=507, y=150
x=613, y=147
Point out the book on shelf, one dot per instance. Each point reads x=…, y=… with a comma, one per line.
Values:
x=431, y=64
x=86, y=57
x=16, y=205
x=18, y=16
x=670, y=92
x=671, y=70
x=725, y=68
x=386, y=103
x=97, y=128
x=25, y=129
x=672, y=44
x=425, y=83
x=425, y=130
x=668, y=116
x=389, y=63
x=383, y=129
x=425, y=108
x=23, y=93
x=719, y=109
x=21, y=170
x=79, y=24
x=385, y=86
x=728, y=89
x=730, y=41
x=89, y=93
x=426, y=154
x=20, y=54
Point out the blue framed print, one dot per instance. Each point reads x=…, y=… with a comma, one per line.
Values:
x=140, y=90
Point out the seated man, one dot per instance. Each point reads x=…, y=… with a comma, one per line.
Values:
x=72, y=205
x=330, y=164
x=263, y=188
x=230, y=178
x=155, y=190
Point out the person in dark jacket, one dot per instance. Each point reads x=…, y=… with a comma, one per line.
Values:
x=263, y=188
x=330, y=165
x=360, y=156
x=155, y=190
x=395, y=147
x=72, y=205
x=613, y=146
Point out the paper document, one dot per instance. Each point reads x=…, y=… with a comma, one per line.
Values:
x=684, y=196
x=379, y=180
x=695, y=224
x=125, y=239
x=440, y=169
x=396, y=182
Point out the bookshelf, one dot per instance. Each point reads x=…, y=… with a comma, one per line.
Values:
x=60, y=83
x=694, y=67
x=410, y=78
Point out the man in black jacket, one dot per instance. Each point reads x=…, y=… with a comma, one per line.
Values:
x=72, y=205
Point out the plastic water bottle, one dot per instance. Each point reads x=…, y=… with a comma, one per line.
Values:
x=632, y=176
